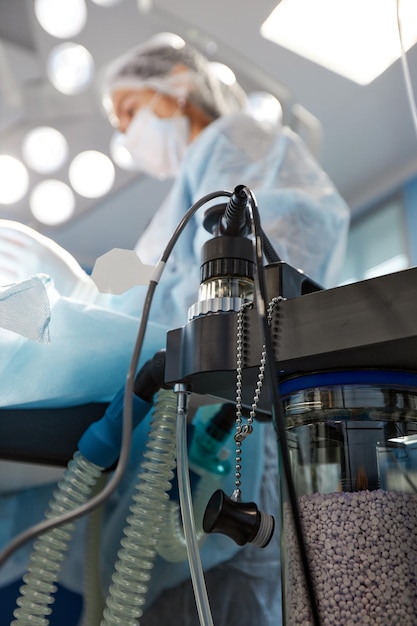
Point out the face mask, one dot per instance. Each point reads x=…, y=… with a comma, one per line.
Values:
x=157, y=145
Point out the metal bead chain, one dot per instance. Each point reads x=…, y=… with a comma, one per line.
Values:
x=244, y=430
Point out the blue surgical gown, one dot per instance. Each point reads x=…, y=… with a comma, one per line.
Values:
x=307, y=222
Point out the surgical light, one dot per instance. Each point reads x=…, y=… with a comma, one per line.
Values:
x=355, y=38
x=91, y=174
x=265, y=107
x=62, y=19
x=70, y=68
x=14, y=179
x=223, y=73
x=52, y=202
x=106, y=3
x=144, y=6
x=211, y=48
x=44, y=149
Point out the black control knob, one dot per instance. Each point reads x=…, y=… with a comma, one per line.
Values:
x=241, y=521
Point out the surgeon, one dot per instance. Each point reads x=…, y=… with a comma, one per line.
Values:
x=181, y=121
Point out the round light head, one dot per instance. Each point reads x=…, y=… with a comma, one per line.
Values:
x=44, y=149
x=70, y=68
x=91, y=174
x=61, y=19
x=52, y=202
x=14, y=179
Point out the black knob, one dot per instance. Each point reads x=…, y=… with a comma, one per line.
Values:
x=241, y=521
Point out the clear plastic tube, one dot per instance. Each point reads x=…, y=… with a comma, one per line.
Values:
x=171, y=544
x=209, y=464
x=49, y=548
x=196, y=568
x=136, y=557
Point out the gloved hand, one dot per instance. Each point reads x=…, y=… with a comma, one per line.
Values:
x=25, y=252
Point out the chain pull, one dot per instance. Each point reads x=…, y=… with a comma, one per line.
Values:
x=242, y=431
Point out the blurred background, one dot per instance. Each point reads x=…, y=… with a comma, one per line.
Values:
x=63, y=172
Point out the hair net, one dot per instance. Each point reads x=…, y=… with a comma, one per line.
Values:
x=154, y=64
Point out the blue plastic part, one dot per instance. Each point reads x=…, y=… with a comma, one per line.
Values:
x=101, y=442
x=349, y=377
x=204, y=450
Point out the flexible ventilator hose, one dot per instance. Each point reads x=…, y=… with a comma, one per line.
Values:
x=154, y=525
x=50, y=548
x=171, y=544
x=93, y=600
x=209, y=464
x=136, y=557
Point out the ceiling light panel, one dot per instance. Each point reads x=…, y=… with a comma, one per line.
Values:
x=357, y=39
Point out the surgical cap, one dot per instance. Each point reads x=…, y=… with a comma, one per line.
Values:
x=169, y=65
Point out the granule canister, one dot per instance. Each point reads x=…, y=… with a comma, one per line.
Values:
x=352, y=441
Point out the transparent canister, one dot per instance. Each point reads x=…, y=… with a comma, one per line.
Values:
x=352, y=441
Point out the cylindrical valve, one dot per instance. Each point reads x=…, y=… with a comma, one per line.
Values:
x=241, y=521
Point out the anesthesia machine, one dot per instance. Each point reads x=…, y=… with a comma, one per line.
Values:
x=336, y=372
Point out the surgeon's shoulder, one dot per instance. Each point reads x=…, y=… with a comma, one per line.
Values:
x=248, y=135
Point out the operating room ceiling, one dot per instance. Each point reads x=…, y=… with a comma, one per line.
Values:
x=367, y=142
